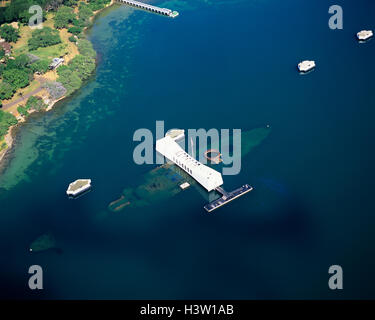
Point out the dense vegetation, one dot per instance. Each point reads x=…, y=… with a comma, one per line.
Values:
x=40, y=66
x=18, y=10
x=43, y=38
x=17, y=72
x=75, y=30
x=95, y=5
x=64, y=17
x=6, y=120
x=78, y=69
x=85, y=48
x=33, y=103
x=84, y=13
x=16, y=78
x=6, y=91
x=9, y=33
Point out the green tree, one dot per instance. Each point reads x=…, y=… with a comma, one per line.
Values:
x=79, y=23
x=16, y=78
x=20, y=62
x=6, y=120
x=24, y=16
x=85, y=48
x=84, y=12
x=40, y=66
x=75, y=30
x=70, y=80
x=97, y=4
x=43, y=38
x=64, y=16
x=9, y=33
x=6, y=91
x=83, y=65
x=18, y=10
x=15, y=8
x=71, y=3
x=22, y=110
x=35, y=103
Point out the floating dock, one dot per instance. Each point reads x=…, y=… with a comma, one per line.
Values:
x=78, y=187
x=148, y=7
x=227, y=197
x=306, y=66
x=365, y=35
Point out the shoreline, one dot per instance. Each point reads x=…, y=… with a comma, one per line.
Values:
x=10, y=136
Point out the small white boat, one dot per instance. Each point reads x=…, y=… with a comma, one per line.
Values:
x=78, y=187
x=364, y=35
x=306, y=65
x=185, y=185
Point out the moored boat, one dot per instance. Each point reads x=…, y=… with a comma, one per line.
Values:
x=365, y=35
x=306, y=65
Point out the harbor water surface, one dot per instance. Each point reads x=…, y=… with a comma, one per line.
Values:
x=220, y=64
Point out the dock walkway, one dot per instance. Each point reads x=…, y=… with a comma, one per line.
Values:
x=227, y=197
x=145, y=6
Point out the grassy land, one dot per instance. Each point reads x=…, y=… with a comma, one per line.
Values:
x=51, y=52
x=44, y=53
x=20, y=46
x=71, y=76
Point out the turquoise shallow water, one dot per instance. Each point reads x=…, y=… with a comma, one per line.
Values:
x=220, y=64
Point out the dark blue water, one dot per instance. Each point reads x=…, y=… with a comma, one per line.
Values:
x=220, y=64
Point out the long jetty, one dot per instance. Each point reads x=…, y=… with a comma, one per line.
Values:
x=148, y=7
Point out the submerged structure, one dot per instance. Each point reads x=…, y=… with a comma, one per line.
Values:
x=163, y=182
x=42, y=243
x=207, y=177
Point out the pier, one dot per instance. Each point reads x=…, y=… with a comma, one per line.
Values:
x=148, y=7
x=227, y=197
